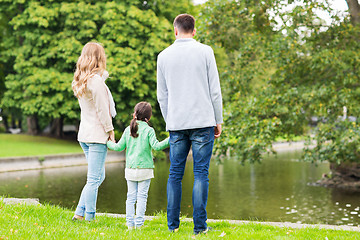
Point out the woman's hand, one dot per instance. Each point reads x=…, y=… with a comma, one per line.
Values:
x=112, y=136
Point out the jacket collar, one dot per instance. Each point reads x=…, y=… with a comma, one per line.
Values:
x=184, y=40
x=141, y=122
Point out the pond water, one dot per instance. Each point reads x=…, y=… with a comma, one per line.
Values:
x=275, y=190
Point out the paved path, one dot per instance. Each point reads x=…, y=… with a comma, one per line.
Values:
x=52, y=161
x=290, y=146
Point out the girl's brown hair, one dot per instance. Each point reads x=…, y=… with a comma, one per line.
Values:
x=142, y=112
x=91, y=61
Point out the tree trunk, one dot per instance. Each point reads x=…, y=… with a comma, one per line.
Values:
x=13, y=121
x=57, y=127
x=5, y=122
x=32, y=124
x=354, y=9
x=343, y=176
x=347, y=171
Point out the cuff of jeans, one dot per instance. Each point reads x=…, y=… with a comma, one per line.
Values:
x=80, y=211
x=89, y=216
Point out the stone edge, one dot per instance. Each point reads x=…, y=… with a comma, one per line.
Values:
x=239, y=222
x=35, y=201
x=52, y=161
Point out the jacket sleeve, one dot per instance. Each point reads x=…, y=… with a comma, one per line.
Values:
x=162, y=92
x=214, y=85
x=120, y=146
x=155, y=144
x=101, y=101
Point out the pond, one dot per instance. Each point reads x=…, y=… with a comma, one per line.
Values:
x=275, y=190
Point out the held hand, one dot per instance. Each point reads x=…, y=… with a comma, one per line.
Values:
x=112, y=136
x=217, y=131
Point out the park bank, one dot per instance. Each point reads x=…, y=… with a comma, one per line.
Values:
x=10, y=164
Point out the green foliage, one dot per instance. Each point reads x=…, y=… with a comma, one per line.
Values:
x=2, y=64
x=45, y=40
x=327, y=79
x=276, y=72
x=231, y=28
x=335, y=142
x=240, y=34
x=275, y=77
x=168, y=9
x=132, y=57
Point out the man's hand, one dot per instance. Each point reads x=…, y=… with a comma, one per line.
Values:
x=217, y=130
x=112, y=136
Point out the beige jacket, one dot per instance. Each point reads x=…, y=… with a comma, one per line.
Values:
x=96, y=122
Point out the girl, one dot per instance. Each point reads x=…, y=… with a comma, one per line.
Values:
x=96, y=127
x=138, y=139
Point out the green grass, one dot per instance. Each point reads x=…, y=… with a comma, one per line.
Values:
x=286, y=139
x=53, y=222
x=13, y=145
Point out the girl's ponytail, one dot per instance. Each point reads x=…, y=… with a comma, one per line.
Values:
x=134, y=128
x=142, y=112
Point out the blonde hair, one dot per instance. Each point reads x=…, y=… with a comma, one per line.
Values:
x=91, y=61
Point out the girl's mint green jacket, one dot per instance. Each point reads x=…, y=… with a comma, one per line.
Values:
x=138, y=150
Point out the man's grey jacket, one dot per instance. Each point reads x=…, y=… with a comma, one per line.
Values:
x=188, y=86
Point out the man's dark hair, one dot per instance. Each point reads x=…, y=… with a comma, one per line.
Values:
x=185, y=23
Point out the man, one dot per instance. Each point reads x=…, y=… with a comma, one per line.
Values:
x=189, y=94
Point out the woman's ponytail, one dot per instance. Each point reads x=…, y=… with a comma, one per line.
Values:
x=134, y=128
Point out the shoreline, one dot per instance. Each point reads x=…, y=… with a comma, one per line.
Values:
x=11, y=164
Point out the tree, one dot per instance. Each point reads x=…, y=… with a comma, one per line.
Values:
x=6, y=67
x=277, y=79
x=47, y=37
x=242, y=37
x=2, y=68
x=324, y=72
x=38, y=84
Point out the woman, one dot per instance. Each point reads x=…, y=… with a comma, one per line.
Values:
x=96, y=127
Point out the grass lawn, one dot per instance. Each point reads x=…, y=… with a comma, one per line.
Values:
x=293, y=139
x=24, y=145
x=53, y=222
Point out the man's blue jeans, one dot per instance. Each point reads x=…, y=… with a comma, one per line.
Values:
x=202, y=142
x=95, y=154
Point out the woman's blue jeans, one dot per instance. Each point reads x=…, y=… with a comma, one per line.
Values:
x=202, y=142
x=95, y=154
x=137, y=193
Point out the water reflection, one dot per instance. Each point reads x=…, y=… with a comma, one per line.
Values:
x=275, y=190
